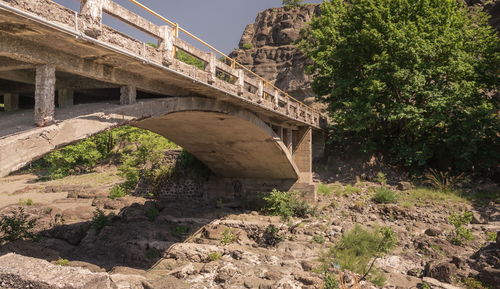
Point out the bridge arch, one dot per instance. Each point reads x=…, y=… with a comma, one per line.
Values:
x=232, y=142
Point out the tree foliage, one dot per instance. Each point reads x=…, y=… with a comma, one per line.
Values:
x=415, y=78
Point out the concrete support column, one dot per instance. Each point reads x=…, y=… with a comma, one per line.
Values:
x=65, y=97
x=128, y=94
x=44, y=95
x=289, y=139
x=212, y=68
x=11, y=101
x=260, y=91
x=91, y=11
x=241, y=81
x=167, y=45
x=302, y=153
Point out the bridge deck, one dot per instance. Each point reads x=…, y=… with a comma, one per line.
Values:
x=44, y=32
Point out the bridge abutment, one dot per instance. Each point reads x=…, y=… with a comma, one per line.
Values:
x=45, y=87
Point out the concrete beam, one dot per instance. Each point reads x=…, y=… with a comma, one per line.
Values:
x=44, y=95
x=11, y=101
x=28, y=51
x=65, y=97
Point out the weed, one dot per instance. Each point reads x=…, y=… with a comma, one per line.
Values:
x=247, y=46
x=190, y=59
x=472, y=283
x=348, y=190
x=100, y=220
x=180, y=230
x=333, y=204
x=381, y=178
x=325, y=190
x=228, y=237
x=153, y=253
x=424, y=285
x=461, y=234
x=214, y=256
x=152, y=214
x=384, y=195
x=272, y=236
x=331, y=282
x=57, y=221
x=17, y=226
x=491, y=236
x=423, y=195
x=62, y=262
x=443, y=181
x=26, y=202
x=285, y=204
x=318, y=239
x=47, y=210
x=118, y=191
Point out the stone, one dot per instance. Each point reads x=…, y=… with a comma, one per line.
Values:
x=433, y=232
x=436, y=284
x=18, y=271
x=72, y=233
x=444, y=272
x=477, y=218
x=404, y=186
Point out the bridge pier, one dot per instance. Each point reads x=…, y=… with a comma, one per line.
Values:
x=65, y=97
x=128, y=94
x=302, y=153
x=45, y=86
x=11, y=101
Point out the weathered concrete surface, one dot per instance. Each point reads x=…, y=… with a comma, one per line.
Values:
x=44, y=94
x=230, y=141
x=18, y=272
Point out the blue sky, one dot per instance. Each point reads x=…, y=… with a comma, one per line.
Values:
x=219, y=22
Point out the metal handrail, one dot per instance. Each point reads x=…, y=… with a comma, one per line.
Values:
x=233, y=61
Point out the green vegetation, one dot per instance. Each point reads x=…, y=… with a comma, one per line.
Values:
x=411, y=78
x=384, y=195
x=292, y=3
x=17, y=226
x=247, y=46
x=62, y=262
x=272, y=235
x=100, y=220
x=152, y=213
x=285, y=205
x=180, y=230
x=472, y=283
x=318, y=239
x=190, y=59
x=358, y=249
x=325, y=190
x=154, y=45
x=153, y=253
x=26, y=202
x=228, y=237
x=214, y=256
x=117, y=192
x=442, y=181
x=462, y=234
x=491, y=236
x=422, y=195
x=331, y=282
x=381, y=178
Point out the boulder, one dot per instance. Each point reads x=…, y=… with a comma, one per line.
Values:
x=444, y=272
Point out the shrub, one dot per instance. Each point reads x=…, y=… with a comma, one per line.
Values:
x=331, y=282
x=462, y=234
x=247, y=46
x=318, y=239
x=228, y=237
x=358, y=247
x=152, y=214
x=214, y=256
x=491, y=236
x=381, y=178
x=190, y=59
x=180, y=230
x=472, y=283
x=285, y=204
x=117, y=191
x=443, y=181
x=409, y=77
x=153, y=253
x=17, y=226
x=62, y=262
x=384, y=195
x=100, y=220
x=26, y=202
x=272, y=236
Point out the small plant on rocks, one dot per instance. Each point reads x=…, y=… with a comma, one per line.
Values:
x=152, y=214
x=462, y=234
x=384, y=195
x=228, y=237
x=285, y=205
x=318, y=239
x=214, y=256
x=180, y=230
x=26, y=202
x=381, y=178
x=17, y=226
x=331, y=282
x=62, y=262
x=272, y=235
x=325, y=190
x=153, y=253
x=100, y=220
x=118, y=191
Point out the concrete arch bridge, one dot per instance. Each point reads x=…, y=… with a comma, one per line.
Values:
x=65, y=76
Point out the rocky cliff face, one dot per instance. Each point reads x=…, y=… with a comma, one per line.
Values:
x=267, y=46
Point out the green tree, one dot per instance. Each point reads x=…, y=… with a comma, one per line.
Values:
x=292, y=3
x=415, y=78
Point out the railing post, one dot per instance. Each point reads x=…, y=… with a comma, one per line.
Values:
x=288, y=106
x=276, y=99
x=241, y=82
x=260, y=91
x=91, y=11
x=167, y=45
x=212, y=67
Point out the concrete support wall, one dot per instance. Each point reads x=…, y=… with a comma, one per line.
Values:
x=11, y=101
x=302, y=153
x=44, y=95
x=128, y=94
x=65, y=97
